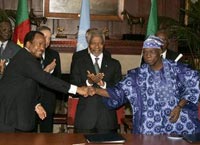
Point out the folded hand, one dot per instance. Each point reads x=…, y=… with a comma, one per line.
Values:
x=92, y=78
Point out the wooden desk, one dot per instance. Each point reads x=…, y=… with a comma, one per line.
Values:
x=70, y=139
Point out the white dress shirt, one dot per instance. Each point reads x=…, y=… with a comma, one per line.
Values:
x=99, y=63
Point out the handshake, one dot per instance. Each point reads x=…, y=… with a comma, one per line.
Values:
x=92, y=79
x=86, y=91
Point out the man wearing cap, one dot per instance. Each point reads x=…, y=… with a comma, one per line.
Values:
x=163, y=94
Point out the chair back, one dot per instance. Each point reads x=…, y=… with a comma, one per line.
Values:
x=120, y=114
x=71, y=109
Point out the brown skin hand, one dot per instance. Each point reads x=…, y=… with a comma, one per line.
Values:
x=174, y=115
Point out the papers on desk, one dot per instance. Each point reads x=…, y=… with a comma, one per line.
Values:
x=174, y=137
x=192, y=138
x=105, y=138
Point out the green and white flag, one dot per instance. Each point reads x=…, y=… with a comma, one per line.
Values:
x=152, y=25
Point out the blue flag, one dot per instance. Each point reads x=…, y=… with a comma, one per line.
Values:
x=84, y=25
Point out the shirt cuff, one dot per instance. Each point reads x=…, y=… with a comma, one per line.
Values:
x=51, y=71
x=72, y=89
x=104, y=86
x=36, y=107
x=88, y=84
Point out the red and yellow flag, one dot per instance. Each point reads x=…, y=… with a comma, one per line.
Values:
x=22, y=25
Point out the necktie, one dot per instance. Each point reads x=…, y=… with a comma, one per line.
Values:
x=1, y=49
x=42, y=62
x=96, y=65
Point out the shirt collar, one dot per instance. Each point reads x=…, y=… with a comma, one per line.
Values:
x=27, y=49
x=100, y=58
x=43, y=55
x=4, y=43
x=164, y=54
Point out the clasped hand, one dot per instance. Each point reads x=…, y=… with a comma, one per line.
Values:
x=92, y=78
x=86, y=91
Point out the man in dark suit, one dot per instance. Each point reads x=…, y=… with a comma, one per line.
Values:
x=92, y=116
x=166, y=51
x=48, y=96
x=7, y=47
x=19, y=86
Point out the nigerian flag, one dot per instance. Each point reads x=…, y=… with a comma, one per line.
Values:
x=22, y=25
x=152, y=25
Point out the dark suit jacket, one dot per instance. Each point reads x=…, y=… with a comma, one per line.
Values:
x=19, y=90
x=10, y=50
x=48, y=96
x=171, y=54
x=92, y=111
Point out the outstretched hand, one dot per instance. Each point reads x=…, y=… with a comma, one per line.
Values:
x=83, y=91
x=91, y=91
x=86, y=91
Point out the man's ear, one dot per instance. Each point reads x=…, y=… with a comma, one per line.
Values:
x=28, y=44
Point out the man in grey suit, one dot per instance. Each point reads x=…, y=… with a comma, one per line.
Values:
x=7, y=47
x=92, y=116
x=19, y=86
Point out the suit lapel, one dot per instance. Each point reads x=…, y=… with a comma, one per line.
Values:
x=48, y=57
x=7, y=50
x=104, y=65
x=89, y=64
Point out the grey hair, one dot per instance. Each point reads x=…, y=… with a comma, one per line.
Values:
x=93, y=33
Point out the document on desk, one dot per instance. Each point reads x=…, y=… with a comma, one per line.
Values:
x=192, y=138
x=105, y=138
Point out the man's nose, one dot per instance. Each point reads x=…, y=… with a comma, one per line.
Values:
x=42, y=48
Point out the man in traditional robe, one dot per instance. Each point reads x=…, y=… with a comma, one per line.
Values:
x=163, y=94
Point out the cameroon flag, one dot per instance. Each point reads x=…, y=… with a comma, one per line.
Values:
x=22, y=25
